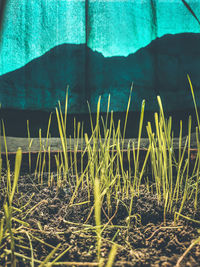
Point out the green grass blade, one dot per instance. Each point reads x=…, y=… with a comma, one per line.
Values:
x=18, y=160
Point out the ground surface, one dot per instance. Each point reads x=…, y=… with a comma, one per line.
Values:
x=55, y=143
x=148, y=242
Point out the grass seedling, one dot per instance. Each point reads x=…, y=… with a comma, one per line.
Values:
x=97, y=210
x=161, y=157
x=45, y=150
x=135, y=183
x=136, y=163
x=185, y=191
x=39, y=159
x=51, y=254
x=8, y=207
x=112, y=255
x=49, y=166
x=197, y=137
x=29, y=146
x=5, y=145
x=62, y=124
x=126, y=118
x=198, y=170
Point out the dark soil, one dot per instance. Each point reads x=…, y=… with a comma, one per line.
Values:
x=51, y=219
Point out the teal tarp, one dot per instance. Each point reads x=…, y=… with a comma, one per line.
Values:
x=98, y=47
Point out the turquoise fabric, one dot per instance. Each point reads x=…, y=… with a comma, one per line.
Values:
x=112, y=28
x=116, y=28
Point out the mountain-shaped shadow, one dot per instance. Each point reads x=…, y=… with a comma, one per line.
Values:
x=159, y=68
